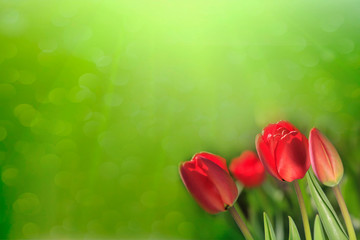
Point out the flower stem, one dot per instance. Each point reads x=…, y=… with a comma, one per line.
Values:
x=304, y=216
x=241, y=214
x=344, y=212
x=240, y=223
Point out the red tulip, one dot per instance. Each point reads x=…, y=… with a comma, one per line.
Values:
x=324, y=158
x=248, y=169
x=283, y=151
x=207, y=179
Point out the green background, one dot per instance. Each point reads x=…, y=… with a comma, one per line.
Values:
x=101, y=100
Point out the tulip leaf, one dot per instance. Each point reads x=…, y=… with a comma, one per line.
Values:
x=329, y=219
x=318, y=231
x=293, y=231
x=268, y=228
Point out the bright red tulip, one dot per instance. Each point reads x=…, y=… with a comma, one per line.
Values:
x=324, y=158
x=208, y=180
x=283, y=150
x=248, y=169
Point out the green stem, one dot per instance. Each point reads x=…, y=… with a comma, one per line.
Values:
x=344, y=212
x=304, y=216
x=240, y=212
x=240, y=223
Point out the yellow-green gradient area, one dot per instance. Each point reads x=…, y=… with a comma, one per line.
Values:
x=101, y=100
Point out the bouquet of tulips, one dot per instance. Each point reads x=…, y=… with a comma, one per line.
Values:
x=285, y=153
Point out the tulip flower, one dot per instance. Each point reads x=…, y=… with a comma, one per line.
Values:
x=283, y=150
x=207, y=179
x=327, y=166
x=325, y=160
x=248, y=169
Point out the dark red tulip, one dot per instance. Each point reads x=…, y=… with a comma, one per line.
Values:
x=325, y=160
x=248, y=169
x=207, y=179
x=283, y=150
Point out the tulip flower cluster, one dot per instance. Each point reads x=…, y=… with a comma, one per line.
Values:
x=286, y=154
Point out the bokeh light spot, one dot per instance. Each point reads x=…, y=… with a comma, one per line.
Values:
x=90, y=81
x=298, y=43
x=186, y=228
x=112, y=100
x=92, y=128
x=103, y=61
x=12, y=23
x=332, y=23
x=79, y=94
x=48, y=45
x=309, y=60
x=8, y=50
x=64, y=179
x=119, y=80
x=30, y=230
x=66, y=145
x=9, y=176
x=60, y=21
x=109, y=170
x=346, y=46
x=7, y=91
x=61, y=128
x=10, y=74
x=27, y=77
x=58, y=232
x=87, y=198
x=2, y=157
x=27, y=203
x=50, y=161
x=57, y=96
x=328, y=56
x=26, y=114
x=74, y=35
x=3, y=133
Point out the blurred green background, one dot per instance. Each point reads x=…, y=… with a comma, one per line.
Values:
x=101, y=100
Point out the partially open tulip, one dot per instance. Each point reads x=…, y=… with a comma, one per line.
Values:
x=283, y=150
x=208, y=180
x=248, y=169
x=324, y=158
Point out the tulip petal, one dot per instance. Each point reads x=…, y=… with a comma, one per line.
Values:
x=287, y=125
x=291, y=156
x=268, y=131
x=325, y=160
x=201, y=188
x=248, y=169
x=222, y=181
x=266, y=157
x=214, y=158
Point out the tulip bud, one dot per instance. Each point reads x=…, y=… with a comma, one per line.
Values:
x=207, y=179
x=283, y=150
x=248, y=169
x=324, y=158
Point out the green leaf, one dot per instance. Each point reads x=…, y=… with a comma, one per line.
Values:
x=318, y=231
x=293, y=231
x=330, y=221
x=269, y=231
